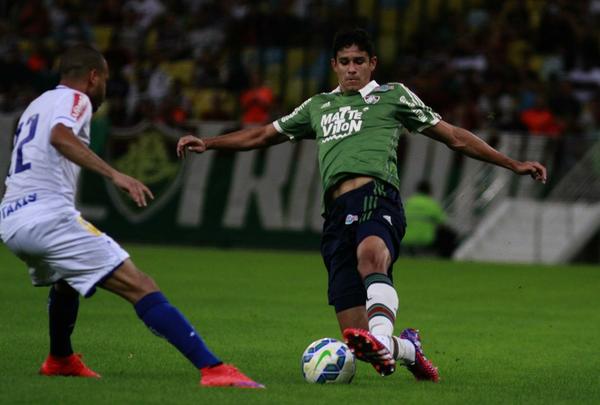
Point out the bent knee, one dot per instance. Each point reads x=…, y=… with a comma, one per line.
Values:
x=130, y=283
x=373, y=256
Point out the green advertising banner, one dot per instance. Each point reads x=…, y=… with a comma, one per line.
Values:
x=267, y=198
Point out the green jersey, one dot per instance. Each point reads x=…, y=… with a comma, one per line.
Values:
x=357, y=133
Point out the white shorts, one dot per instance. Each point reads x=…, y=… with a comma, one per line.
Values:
x=67, y=248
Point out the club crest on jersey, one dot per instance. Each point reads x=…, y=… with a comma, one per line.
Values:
x=79, y=106
x=371, y=99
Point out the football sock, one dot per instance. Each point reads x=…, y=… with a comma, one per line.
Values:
x=403, y=350
x=164, y=320
x=62, y=314
x=382, y=304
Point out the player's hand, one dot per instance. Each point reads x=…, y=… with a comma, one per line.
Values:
x=534, y=169
x=191, y=143
x=136, y=189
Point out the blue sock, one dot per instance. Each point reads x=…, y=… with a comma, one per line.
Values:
x=164, y=320
x=62, y=314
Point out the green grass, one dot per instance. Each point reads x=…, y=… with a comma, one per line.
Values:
x=499, y=333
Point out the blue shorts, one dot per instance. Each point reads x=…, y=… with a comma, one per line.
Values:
x=374, y=209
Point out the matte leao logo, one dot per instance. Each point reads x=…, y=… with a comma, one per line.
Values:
x=340, y=124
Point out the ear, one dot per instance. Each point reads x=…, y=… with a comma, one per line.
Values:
x=373, y=63
x=333, y=62
x=93, y=76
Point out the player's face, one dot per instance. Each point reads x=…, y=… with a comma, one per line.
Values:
x=97, y=88
x=353, y=68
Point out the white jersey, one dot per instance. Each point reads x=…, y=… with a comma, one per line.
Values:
x=41, y=182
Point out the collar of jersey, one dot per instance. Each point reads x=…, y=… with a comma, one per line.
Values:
x=369, y=87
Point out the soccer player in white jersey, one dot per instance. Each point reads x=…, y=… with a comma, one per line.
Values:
x=40, y=224
x=356, y=128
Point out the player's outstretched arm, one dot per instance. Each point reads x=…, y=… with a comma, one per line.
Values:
x=63, y=139
x=464, y=141
x=245, y=139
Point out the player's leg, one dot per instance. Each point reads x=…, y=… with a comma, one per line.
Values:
x=378, y=345
x=374, y=343
x=382, y=304
x=165, y=320
x=374, y=260
x=162, y=318
x=43, y=248
x=378, y=245
x=69, y=248
x=361, y=237
x=63, y=305
x=378, y=235
x=346, y=289
x=355, y=317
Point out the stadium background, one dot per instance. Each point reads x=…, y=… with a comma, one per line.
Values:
x=524, y=75
x=500, y=333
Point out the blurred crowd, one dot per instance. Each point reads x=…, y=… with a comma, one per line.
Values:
x=513, y=65
x=527, y=66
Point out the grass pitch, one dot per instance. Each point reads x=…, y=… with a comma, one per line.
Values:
x=499, y=333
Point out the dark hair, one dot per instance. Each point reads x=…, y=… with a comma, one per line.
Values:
x=355, y=36
x=78, y=60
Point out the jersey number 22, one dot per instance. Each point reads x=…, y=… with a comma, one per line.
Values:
x=19, y=165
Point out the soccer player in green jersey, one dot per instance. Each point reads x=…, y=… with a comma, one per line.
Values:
x=356, y=127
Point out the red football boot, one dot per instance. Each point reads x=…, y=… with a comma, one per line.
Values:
x=226, y=375
x=66, y=366
x=367, y=348
x=423, y=369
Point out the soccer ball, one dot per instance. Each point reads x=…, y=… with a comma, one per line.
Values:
x=328, y=361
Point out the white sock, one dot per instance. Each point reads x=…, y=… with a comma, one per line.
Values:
x=382, y=304
x=406, y=350
x=403, y=349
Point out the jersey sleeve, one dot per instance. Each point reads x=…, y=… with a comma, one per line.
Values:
x=413, y=113
x=296, y=125
x=73, y=110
